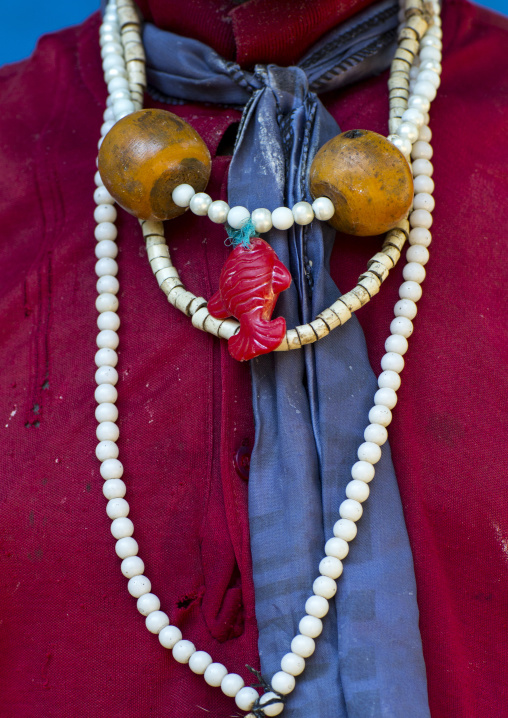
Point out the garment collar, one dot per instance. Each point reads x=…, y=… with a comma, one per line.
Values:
x=278, y=31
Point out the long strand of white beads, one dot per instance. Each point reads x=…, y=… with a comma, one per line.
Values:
x=375, y=435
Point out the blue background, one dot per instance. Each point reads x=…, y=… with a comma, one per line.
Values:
x=23, y=22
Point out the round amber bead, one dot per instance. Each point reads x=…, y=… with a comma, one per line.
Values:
x=367, y=179
x=146, y=155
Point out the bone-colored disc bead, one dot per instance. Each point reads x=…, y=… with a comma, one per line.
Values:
x=367, y=179
x=161, y=151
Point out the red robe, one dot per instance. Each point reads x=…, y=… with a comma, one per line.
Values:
x=71, y=640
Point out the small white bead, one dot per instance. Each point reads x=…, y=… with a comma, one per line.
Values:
x=104, y=213
x=122, y=107
x=408, y=131
x=316, y=606
x=422, y=167
x=231, y=684
x=246, y=697
x=368, y=451
x=401, y=143
x=402, y=326
x=183, y=650
x=102, y=196
x=106, y=412
x=385, y=397
x=324, y=586
x=422, y=183
x=106, y=265
x=293, y=664
x=380, y=414
x=410, y=290
x=156, y=621
x=110, y=62
x=122, y=527
x=106, y=375
x=126, y=546
x=215, y=674
x=111, y=48
x=396, y=343
x=218, y=211
x=282, y=218
x=376, y=433
x=417, y=218
x=422, y=151
x=199, y=662
x=150, y=602
x=431, y=65
x=414, y=272
x=323, y=208
x=303, y=213
x=117, y=508
x=430, y=53
x=345, y=529
x=283, y=682
x=108, y=320
x=419, y=102
x=111, y=469
x=106, y=247
x=107, y=339
x=170, y=636
x=107, y=431
x=429, y=76
x=331, y=566
x=262, y=220
x=430, y=40
x=238, y=216
x=337, y=547
x=105, y=230
x=98, y=179
x=107, y=285
x=106, y=450
x=434, y=30
x=274, y=709
x=115, y=71
x=363, y=471
x=106, y=357
x=137, y=586
x=388, y=380
x=311, y=625
x=414, y=116
x=303, y=646
x=114, y=489
x=420, y=236
x=106, y=393
x=357, y=490
x=418, y=254
x=120, y=95
x=405, y=308
x=132, y=566
x=200, y=203
x=182, y=195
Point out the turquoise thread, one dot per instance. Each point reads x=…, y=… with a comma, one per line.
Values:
x=240, y=237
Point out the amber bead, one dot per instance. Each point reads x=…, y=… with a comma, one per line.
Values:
x=146, y=155
x=367, y=179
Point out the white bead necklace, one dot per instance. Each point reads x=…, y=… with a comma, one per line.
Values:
x=409, y=106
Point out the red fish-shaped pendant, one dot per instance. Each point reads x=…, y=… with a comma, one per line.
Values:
x=250, y=282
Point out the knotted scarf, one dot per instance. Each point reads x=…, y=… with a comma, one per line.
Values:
x=311, y=406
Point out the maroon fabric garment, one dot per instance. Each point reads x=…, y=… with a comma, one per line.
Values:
x=72, y=642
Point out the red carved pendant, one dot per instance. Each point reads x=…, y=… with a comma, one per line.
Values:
x=250, y=282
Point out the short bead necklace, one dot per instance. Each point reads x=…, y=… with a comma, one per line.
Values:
x=413, y=83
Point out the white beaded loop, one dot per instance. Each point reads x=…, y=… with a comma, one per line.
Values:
x=412, y=135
